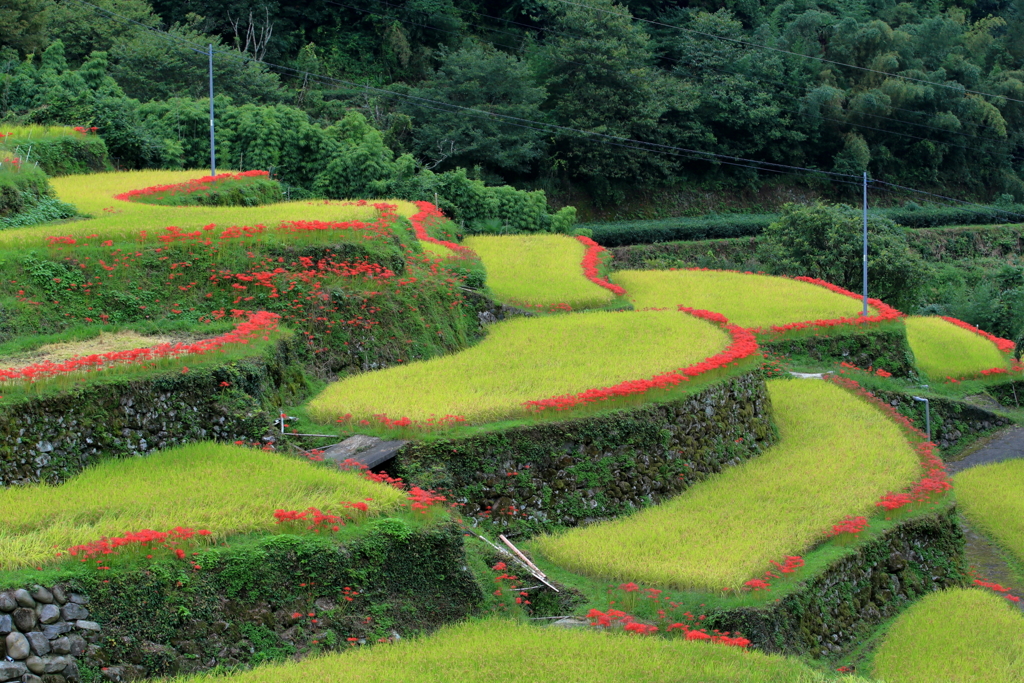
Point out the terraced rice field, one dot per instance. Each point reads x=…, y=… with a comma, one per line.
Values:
x=225, y=489
x=94, y=195
x=538, y=270
x=526, y=359
x=836, y=456
x=942, y=349
x=497, y=650
x=965, y=636
x=758, y=301
x=992, y=497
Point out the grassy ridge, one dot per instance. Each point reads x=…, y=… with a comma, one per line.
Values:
x=226, y=489
x=837, y=455
x=498, y=650
x=942, y=349
x=967, y=636
x=746, y=300
x=527, y=359
x=991, y=497
x=538, y=270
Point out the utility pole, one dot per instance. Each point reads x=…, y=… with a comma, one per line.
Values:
x=865, y=231
x=213, y=153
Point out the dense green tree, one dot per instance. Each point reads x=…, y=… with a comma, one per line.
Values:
x=23, y=24
x=825, y=241
x=84, y=30
x=483, y=78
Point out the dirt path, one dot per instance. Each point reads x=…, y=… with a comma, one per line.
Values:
x=1006, y=446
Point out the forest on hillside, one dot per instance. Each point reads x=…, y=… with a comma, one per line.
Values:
x=588, y=94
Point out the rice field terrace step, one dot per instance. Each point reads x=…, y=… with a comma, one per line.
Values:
x=370, y=451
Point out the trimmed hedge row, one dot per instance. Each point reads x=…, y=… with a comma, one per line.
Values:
x=728, y=226
x=830, y=614
x=577, y=470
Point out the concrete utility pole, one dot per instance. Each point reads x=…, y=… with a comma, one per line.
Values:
x=213, y=153
x=865, y=237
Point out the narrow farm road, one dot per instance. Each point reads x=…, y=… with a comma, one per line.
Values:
x=1006, y=446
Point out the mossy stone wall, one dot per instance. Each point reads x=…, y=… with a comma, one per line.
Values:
x=954, y=423
x=539, y=477
x=54, y=436
x=887, y=349
x=831, y=613
x=274, y=598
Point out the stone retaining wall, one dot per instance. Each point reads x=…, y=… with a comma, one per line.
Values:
x=831, y=613
x=537, y=477
x=54, y=436
x=45, y=632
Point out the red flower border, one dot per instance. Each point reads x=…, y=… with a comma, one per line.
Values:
x=258, y=323
x=189, y=186
x=743, y=346
x=885, y=311
x=427, y=211
x=1004, y=345
x=590, y=263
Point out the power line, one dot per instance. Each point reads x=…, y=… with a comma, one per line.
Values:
x=539, y=125
x=788, y=52
x=798, y=112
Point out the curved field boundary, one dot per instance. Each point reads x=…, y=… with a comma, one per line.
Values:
x=1004, y=345
x=835, y=459
x=591, y=261
x=545, y=272
x=952, y=350
x=259, y=323
x=429, y=212
x=743, y=345
x=991, y=499
x=885, y=311
x=963, y=635
x=188, y=186
x=522, y=358
x=468, y=653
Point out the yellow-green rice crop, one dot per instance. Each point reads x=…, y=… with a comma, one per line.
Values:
x=538, y=270
x=24, y=134
x=746, y=300
x=223, y=488
x=526, y=359
x=497, y=650
x=93, y=194
x=963, y=635
x=991, y=497
x=837, y=456
x=942, y=349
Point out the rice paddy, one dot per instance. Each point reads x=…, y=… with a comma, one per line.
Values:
x=225, y=489
x=538, y=270
x=526, y=359
x=93, y=194
x=497, y=650
x=836, y=456
x=747, y=300
x=942, y=349
x=966, y=636
x=991, y=497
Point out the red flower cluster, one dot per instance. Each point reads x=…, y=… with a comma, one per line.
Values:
x=935, y=479
x=998, y=589
x=427, y=215
x=614, y=617
x=421, y=499
x=146, y=538
x=318, y=520
x=83, y=130
x=850, y=525
x=188, y=187
x=743, y=345
x=260, y=323
x=789, y=565
x=591, y=261
x=1004, y=345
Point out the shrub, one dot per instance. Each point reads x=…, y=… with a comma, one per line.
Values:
x=825, y=241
